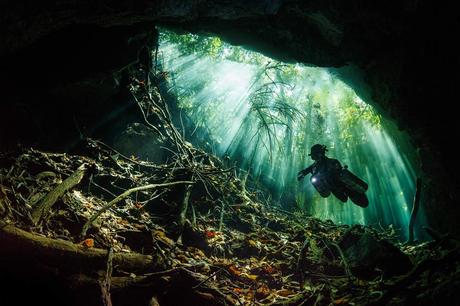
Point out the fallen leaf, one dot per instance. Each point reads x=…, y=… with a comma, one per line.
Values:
x=210, y=234
x=234, y=270
x=251, y=277
x=88, y=243
x=238, y=290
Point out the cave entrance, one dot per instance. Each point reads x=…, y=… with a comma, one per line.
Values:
x=262, y=116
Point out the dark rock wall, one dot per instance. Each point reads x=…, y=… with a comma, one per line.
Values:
x=70, y=83
x=62, y=63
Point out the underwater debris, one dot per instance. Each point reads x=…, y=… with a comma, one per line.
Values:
x=232, y=257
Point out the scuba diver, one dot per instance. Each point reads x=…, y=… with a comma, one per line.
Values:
x=328, y=176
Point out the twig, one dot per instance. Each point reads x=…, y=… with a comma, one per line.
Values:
x=344, y=260
x=143, y=164
x=185, y=202
x=415, y=207
x=102, y=188
x=208, y=278
x=221, y=221
x=150, y=125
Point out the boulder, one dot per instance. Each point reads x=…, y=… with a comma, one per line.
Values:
x=369, y=257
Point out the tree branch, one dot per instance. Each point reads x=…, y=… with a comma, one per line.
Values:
x=48, y=201
x=124, y=195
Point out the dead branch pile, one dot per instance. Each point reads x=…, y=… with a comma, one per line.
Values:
x=230, y=250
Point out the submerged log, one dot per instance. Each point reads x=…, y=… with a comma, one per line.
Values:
x=22, y=245
x=79, y=270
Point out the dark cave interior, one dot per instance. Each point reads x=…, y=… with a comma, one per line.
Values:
x=66, y=69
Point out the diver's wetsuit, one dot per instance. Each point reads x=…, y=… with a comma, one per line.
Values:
x=327, y=170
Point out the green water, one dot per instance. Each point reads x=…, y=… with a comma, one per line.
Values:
x=266, y=115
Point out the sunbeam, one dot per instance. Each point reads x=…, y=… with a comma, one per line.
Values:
x=265, y=116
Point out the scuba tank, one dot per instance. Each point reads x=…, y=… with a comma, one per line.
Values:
x=352, y=181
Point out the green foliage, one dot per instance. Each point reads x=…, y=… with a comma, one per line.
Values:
x=271, y=106
x=194, y=44
x=352, y=113
x=213, y=47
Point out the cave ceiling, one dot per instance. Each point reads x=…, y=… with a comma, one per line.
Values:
x=404, y=49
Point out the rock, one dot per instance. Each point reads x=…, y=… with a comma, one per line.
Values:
x=366, y=255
